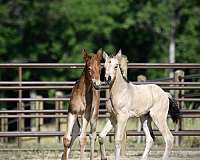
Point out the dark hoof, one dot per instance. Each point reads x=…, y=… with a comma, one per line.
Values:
x=103, y=158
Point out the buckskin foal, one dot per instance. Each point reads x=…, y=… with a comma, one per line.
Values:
x=84, y=101
x=110, y=124
x=149, y=102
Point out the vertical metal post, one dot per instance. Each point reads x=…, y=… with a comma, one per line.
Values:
x=4, y=128
x=1, y=129
x=20, y=122
x=33, y=107
x=39, y=121
x=58, y=106
x=179, y=77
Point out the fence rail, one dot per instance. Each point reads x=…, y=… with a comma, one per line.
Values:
x=58, y=133
x=67, y=99
x=70, y=87
x=73, y=82
x=81, y=65
x=48, y=114
x=21, y=86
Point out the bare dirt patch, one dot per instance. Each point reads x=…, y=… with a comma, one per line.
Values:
x=131, y=153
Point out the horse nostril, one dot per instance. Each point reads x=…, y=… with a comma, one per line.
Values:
x=95, y=83
x=109, y=78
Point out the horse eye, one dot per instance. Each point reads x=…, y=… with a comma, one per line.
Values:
x=116, y=67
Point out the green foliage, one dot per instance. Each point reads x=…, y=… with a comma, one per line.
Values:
x=58, y=30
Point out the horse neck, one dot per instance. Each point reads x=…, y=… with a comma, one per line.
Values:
x=84, y=80
x=119, y=83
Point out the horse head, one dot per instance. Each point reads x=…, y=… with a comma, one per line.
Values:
x=112, y=64
x=93, y=67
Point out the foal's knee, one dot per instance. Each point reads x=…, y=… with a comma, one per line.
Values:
x=83, y=141
x=93, y=135
x=118, y=142
x=101, y=139
x=66, y=141
x=170, y=141
x=149, y=140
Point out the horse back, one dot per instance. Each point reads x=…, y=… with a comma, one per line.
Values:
x=144, y=96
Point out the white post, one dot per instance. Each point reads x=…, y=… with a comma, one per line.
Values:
x=58, y=106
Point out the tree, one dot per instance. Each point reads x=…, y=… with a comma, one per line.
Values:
x=57, y=31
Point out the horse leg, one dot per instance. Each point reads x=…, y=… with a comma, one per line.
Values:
x=102, y=136
x=83, y=135
x=120, y=128
x=160, y=119
x=146, y=124
x=93, y=125
x=68, y=139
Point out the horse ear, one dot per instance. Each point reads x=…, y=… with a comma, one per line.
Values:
x=119, y=54
x=105, y=56
x=99, y=54
x=85, y=55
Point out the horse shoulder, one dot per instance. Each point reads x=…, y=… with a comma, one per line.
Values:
x=76, y=103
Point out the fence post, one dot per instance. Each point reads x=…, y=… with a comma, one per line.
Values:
x=20, y=106
x=33, y=107
x=4, y=127
x=58, y=106
x=179, y=77
x=21, y=122
x=39, y=121
x=140, y=78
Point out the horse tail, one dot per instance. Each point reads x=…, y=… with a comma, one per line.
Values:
x=151, y=133
x=174, y=110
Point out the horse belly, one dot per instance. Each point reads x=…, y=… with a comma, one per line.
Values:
x=141, y=103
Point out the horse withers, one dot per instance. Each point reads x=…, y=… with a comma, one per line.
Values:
x=84, y=101
x=149, y=102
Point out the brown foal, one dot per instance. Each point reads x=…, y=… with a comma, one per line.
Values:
x=84, y=101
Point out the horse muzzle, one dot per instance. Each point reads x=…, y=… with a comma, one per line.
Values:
x=96, y=84
x=108, y=80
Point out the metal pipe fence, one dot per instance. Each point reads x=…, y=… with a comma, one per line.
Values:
x=21, y=86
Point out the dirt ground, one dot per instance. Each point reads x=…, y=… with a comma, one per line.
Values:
x=131, y=153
